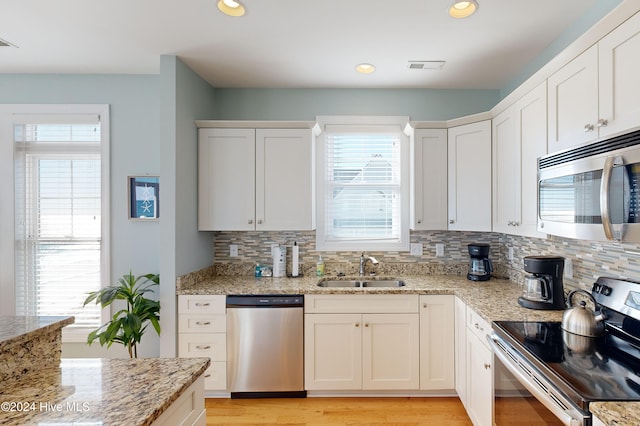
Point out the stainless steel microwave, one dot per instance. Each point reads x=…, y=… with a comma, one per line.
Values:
x=592, y=192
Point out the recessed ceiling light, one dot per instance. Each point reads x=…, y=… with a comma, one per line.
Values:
x=463, y=9
x=231, y=7
x=365, y=68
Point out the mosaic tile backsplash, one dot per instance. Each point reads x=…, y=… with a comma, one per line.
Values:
x=590, y=259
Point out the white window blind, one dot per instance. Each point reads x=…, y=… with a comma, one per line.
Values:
x=363, y=185
x=58, y=205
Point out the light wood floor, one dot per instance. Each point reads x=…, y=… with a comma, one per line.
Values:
x=337, y=411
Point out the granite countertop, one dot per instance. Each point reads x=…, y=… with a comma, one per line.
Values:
x=98, y=391
x=18, y=329
x=493, y=300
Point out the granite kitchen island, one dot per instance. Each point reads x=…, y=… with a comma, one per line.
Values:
x=45, y=389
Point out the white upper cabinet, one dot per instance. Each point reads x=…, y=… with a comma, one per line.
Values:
x=469, y=177
x=256, y=179
x=619, y=85
x=596, y=94
x=519, y=138
x=429, y=179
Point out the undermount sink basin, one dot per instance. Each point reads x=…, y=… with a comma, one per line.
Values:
x=360, y=283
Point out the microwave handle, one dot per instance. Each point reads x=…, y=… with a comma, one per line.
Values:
x=605, y=185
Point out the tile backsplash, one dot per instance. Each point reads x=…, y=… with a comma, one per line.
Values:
x=590, y=259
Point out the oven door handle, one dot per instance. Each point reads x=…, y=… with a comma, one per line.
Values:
x=565, y=416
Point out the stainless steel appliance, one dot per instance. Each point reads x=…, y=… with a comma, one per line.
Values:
x=480, y=266
x=592, y=192
x=543, y=288
x=550, y=376
x=265, y=346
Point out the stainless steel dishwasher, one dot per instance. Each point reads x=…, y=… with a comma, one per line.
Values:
x=265, y=346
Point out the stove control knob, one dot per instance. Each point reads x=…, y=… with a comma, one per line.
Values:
x=606, y=290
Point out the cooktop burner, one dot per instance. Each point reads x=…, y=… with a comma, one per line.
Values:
x=586, y=369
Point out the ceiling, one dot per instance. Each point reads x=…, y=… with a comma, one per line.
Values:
x=286, y=43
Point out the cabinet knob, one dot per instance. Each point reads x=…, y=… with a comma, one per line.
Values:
x=425, y=305
x=510, y=223
x=602, y=122
x=259, y=221
x=419, y=220
x=366, y=324
x=487, y=366
x=589, y=128
x=451, y=221
x=250, y=221
x=357, y=324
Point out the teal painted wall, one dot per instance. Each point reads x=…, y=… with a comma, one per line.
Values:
x=306, y=104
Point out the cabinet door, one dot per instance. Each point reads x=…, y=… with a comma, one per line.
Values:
x=531, y=128
x=333, y=351
x=469, y=174
x=619, y=68
x=461, y=350
x=437, y=342
x=390, y=351
x=429, y=179
x=226, y=179
x=573, y=102
x=479, y=384
x=506, y=172
x=284, y=186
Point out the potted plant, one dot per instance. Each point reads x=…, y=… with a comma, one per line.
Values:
x=127, y=325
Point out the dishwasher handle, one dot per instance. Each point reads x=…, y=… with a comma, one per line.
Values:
x=265, y=301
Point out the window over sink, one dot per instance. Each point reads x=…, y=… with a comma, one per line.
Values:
x=363, y=184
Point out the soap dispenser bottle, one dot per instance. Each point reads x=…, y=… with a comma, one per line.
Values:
x=320, y=267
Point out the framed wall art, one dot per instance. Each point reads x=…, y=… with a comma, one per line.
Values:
x=144, y=197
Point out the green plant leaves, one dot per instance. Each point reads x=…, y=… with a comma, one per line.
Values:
x=127, y=326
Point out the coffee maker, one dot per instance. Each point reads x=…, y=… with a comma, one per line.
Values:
x=480, y=266
x=543, y=288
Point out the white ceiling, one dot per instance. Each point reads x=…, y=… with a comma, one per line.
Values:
x=285, y=43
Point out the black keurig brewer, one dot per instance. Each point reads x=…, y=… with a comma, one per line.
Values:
x=543, y=287
x=480, y=266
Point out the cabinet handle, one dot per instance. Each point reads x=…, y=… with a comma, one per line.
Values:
x=206, y=376
x=357, y=324
x=487, y=366
x=201, y=304
x=589, y=128
x=259, y=221
x=203, y=348
x=602, y=122
x=203, y=322
x=419, y=220
x=250, y=221
x=451, y=221
x=510, y=223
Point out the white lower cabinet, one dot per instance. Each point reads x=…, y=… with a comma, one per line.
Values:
x=361, y=342
x=474, y=370
x=202, y=332
x=437, y=346
x=187, y=410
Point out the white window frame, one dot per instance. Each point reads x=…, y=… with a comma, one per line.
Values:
x=7, y=195
x=362, y=122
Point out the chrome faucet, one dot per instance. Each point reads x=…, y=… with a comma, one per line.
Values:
x=363, y=262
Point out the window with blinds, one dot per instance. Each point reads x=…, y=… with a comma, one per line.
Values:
x=363, y=188
x=58, y=215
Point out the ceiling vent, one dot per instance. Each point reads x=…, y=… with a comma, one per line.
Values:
x=4, y=43
x=425, y=65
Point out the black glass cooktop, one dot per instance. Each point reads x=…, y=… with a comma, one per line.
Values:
x=588, y=369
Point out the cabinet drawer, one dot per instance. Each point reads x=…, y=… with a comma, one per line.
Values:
x=215, y=377
x=361, y=303
x=194, y=345
x=202, y=304
x=478, y=325
x=202, y=323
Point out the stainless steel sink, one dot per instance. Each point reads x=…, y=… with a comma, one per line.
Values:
x=340, y=283
x=383, y=283
x=361, y=283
